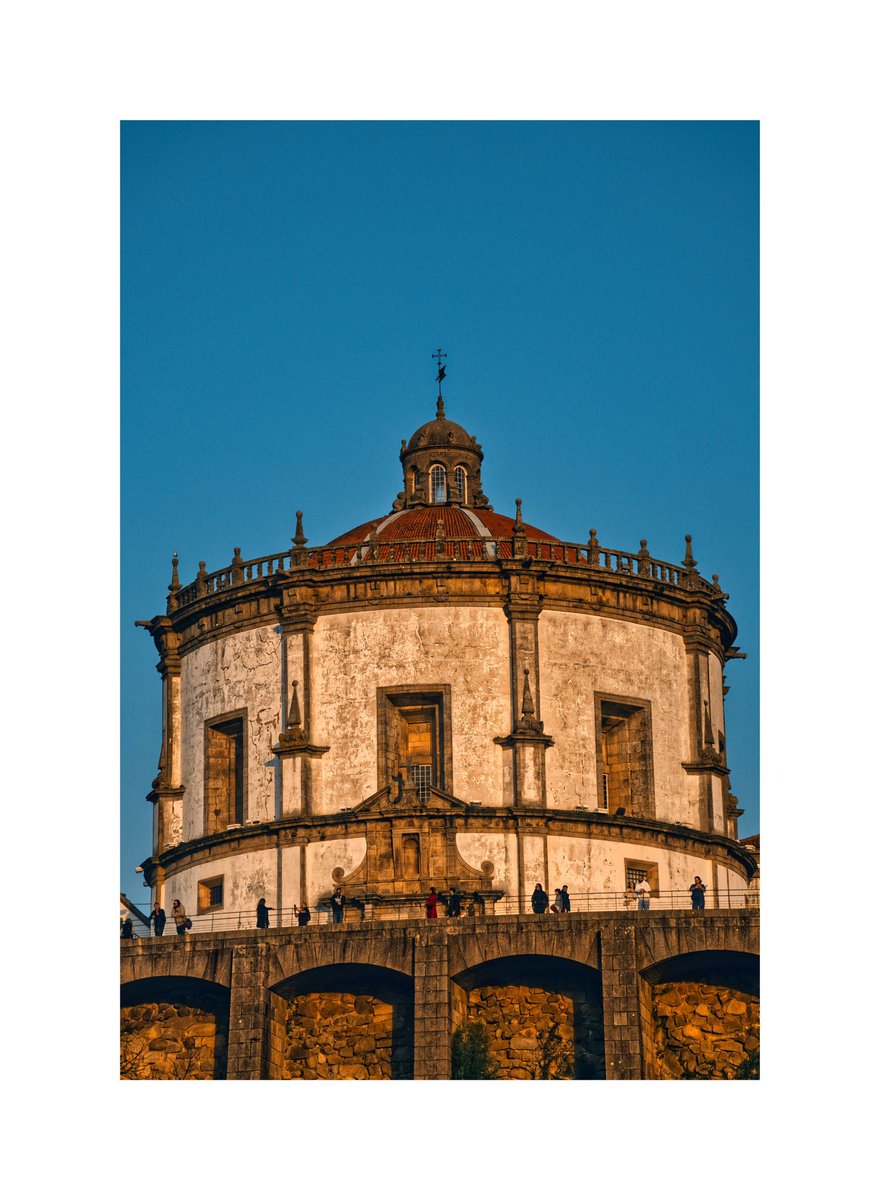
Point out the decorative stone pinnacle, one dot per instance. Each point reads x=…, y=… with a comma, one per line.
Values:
x=237, y=560
x=299, y=538
x=294, y=717
x=174, y=585
x=441, y=414
x=528, y=704
x=518, y=524
x=644, y=558
x=688, y=561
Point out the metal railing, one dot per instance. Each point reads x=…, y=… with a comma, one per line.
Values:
x=357, y=912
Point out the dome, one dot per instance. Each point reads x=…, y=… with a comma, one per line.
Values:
x=442, y=433
x=425, y=534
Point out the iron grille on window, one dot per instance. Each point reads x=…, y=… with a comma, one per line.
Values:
x=215, y=898
x=635, y=875
x=421, y=777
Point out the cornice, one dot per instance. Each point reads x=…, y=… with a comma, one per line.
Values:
x=553, y=822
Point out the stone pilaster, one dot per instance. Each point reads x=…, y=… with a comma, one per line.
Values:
x=527, y=739
x=249, y=1033
x=621, y=1002
x=433, y=1006
x=298, y=754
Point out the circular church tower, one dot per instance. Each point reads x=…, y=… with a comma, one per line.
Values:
x=442, y=696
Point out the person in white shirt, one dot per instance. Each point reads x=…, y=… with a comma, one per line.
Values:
x=643, y=891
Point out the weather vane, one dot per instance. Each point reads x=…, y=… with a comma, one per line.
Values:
x=441, y=370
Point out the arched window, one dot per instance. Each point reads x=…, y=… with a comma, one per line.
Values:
x=459, y=490
x=438, y=484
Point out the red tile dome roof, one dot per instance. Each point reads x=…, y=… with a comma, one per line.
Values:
x=411, y=534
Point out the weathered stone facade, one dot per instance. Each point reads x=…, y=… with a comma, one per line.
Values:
x=294, y=995
x=442, y=696
x=339, y=1035
x=703, y=1031
x=539, y=1034
x=172, y=1041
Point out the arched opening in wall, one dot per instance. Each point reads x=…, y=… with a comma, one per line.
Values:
x=701, y=1014
x=438, y=484
x=538, y=1016
x=173, y=1027
x=346, y=1021
x=459, y=485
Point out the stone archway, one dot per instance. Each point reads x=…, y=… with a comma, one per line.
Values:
x=173, y=1027
x=702, y=1016
x=342, y=1021
x=542, y=1016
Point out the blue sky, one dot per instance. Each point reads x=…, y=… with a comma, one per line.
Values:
x=284, y=284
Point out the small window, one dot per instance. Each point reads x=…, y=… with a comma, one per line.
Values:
x=603, y=795
x=438, y=484
x=459, y=490
x=210, y=893
x=635, y=872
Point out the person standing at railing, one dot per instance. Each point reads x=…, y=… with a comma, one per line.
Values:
x=698, y=893
x=337, y=906
x=127, y=929
x=564, y=899
x=643, y=891
x=303, y=916
x=453, y=904
x=431, y=904
x=263, y=911
x=540, y=900
x=178, y=915
x=157, y=920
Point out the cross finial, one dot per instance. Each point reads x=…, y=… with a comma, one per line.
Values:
x=441, y=375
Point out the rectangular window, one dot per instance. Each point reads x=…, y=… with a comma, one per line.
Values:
x=210, y=894
x=635, y=872
x=414, y=739
x=225, y=772
x=624, y=753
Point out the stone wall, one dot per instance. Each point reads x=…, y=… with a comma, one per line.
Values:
x=338, y=1035
x=702, y=1031
x=539, y=1034
x=172, y=1041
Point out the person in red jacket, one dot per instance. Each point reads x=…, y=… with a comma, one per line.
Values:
x=431, y=904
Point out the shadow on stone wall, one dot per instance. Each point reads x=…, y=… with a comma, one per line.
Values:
x=348, y=1021
x=703, y=1018
x=543, y=1016
x=173, y=1029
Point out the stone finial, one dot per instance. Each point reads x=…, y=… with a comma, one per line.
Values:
x=688, y=561
x=644, y=558
x=441, y=412
x=299, y=541
x=374, y=540
x=201, y=580
x=440, y=539
x=527, y=722
x=518, y=523
x=402, y=445
x=174, y=585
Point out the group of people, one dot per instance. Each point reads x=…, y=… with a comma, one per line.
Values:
x=541, y=901
x=453, y=903
x=157, y=919
x=637, y=895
